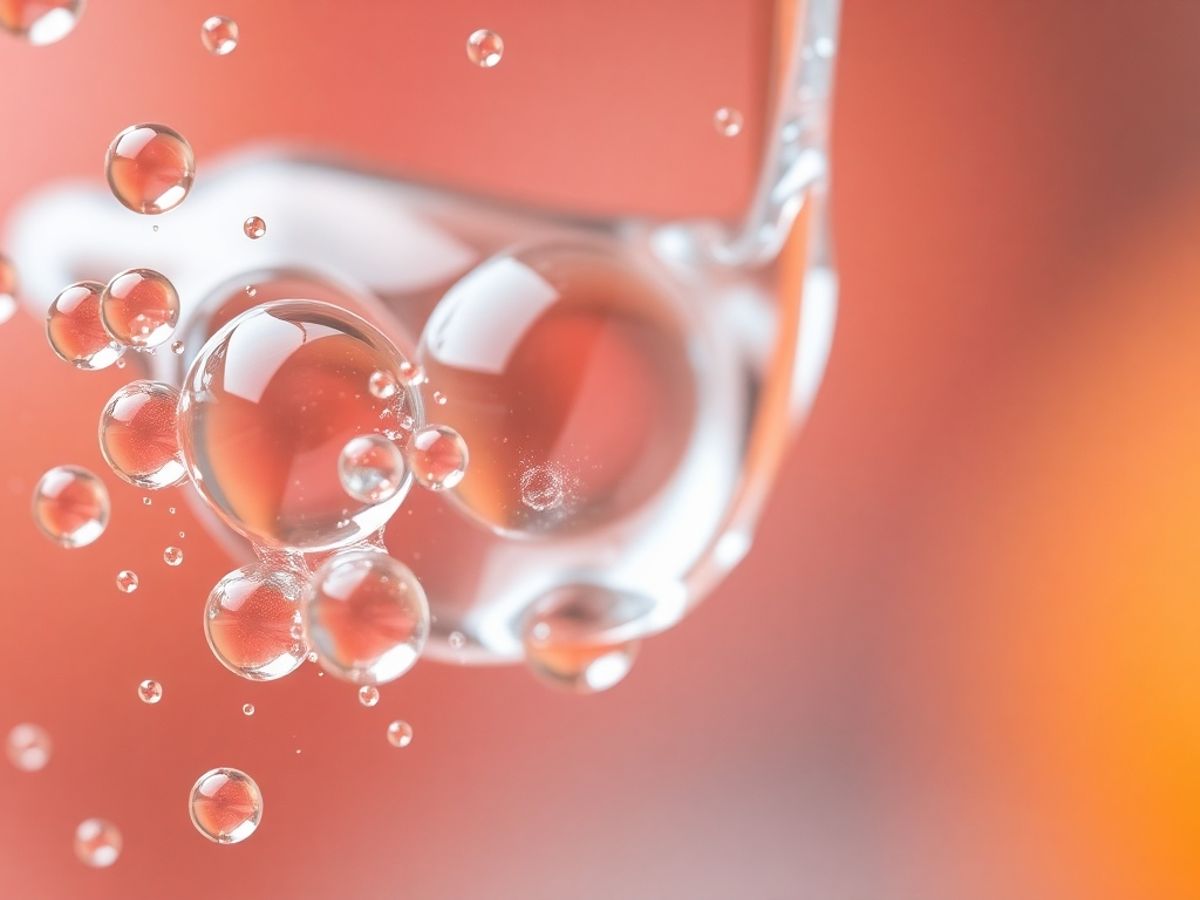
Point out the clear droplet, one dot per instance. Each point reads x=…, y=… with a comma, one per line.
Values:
x=543, y=487
x=254, y=227
x=226, y=805
x=437, y=456
x=150, y=691
x=40, y=22
x=70, y=506
x=177, y=348
x=485, y=48
x=150, y=168
x=137, y=435
x=127, y=581
x=382, y=384
x=247, y=709
x=412, y=373
x=173, y=556
x=250, y=621
x=97, y=843
x=366, y=616
x=728, y=121
x=29, y=747
x=74, y=329
x=219, y=35
x=8, y=289
x=139, y=308
x=371, y=468
x=399, y=733
x=368, y=695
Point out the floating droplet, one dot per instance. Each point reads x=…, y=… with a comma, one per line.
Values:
x=368, y=695
x=70, y=506
x=29, y=747
x=150, y=691
x=146, y=501
x=173, y=556
x=438, y=457
x=439, y=398
x=226, y=805
x=8, y=289
x=150, y=168
x=74, y=330
x=219, y=35
x=127, y=581
x=97, y=843
x=542, y=487
x=177, y=348
x=371, y=468
x=139, y=308
x=399, y=733
x=254, y=227
x=382, y=384
x=40, y=22
x=485, y=48
x=247, y=709
x=366, y=616
x=728, y=121
x=252, y=622
x=137, y=435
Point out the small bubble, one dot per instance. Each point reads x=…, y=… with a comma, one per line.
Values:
x=127, y=581
x=171, y=511
x=97, y=843
x=74, y=329
x=728, y=121
x=29, y=747
x=139, y=308
x=254, y=227
x=368, y=695
x=247, y=709
x=485, y=48
x=137, y=435
x=219, y=35
x=150, y=691
x=382, y=384
x=146, y=501
x=456, y=640
x=70, y=506
x=40, y=22
x=120, y=363
x=439, y=398
x=251, y=290
x=8, y=289
x=225, y=806
x=371, y=468
x=177, y=348
x=412, y=373
x=173, y=556
x=438, y=457
x=150, y=168
x=312, y=657
x=399, y=733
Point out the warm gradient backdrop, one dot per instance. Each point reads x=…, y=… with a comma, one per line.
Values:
x=963, y=659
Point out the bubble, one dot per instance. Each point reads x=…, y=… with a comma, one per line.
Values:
x=399, y=733
x=247, y=709
x=368, y=695
x=485, y=48
x=40, y=22
x=127, y=581
x=177, y=348
x=150, y=168
x=456, y=640
x=219, y=35
x=226, y=805
x=74, y=330
x=728, y=121
x=146, y=501
x=8, y=289
x=173, y=556
x=254, y=227
x=97, y=843
x=266, y=409
x=382, y=384
x=366, y=616
x=29, y=747
x=70, y=506
x=438, y=457
x=542, y=488
x=137, y=435
x=139, y=308
x=411, y=373
x=372, y=468
x=150, y=691
x=252, y=622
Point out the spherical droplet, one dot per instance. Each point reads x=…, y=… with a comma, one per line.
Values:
x=371, y=468
x=70, y=506
x=97, y=843
x=252, y=622
x=485, y=48
x=74, y=329
x=29, y=747
x=368, y=695
x=127, y=581
x=137, y=435
x=543, y=487
x=366, y=616
x=266, y=409
x=8, y=289
x=40, y=22
x=728, y=121
x=150, y=168
x=177, y=348
x=226, y=805
x=254, y=227
x=247, y=709
x=219, y=35
x=382, y=384
x=438, y=457
x=399, y=733
x=139, y=308
x=173, y=556
x=150, y=691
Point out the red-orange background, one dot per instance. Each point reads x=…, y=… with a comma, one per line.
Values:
x=963, y=658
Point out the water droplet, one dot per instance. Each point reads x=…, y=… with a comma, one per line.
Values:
x=127, y=581
x=366, y=616
x=40, y=22
x=97, y=843
x=137, y=435
x=219, y=35
x=399, y=733
x=542, y=487
x=438, y=457
x=150, y=691
x=439, y=398
x=728, y=121
x=485, y=48
x=368, y=695
x=382, y=384
x=171, y=512
x=173, y=556
x=248, y=621
x=251, y=290
x=74, y=330
x=146, y=501
x=456, y=640
x=150, y=168
x=177, y=348
x=254, y=227
x=247, y=709
x=139, y=308
x=371, y=468
x=8, y=289
x=29, y=747
x=412, y=373
x=70, y=506
x=226, y=805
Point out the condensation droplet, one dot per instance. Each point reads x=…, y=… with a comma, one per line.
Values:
x=74, y=329
x=70, y=506
x=249, y=620
x=728, y=121
x=485, y=48
x=127, y=581
x=139, y=308
x=247, y=709
x=97, y=843
x=382, y=384
x=368, y=695
x=399, y=733
x=254, y=228
x=219, y=35
x=150, y=168
x=137, y=435
x=40, y=22
x=438, y=457
x=371, y=468
x=150, y=691
x=225, y=806
x=8, y=289
x=173, y=556
x=29, y=747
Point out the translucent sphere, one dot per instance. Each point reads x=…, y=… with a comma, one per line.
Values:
x=97, y=843
x=219, y=35
x=173, y=556
x=565, y=359
x=138, y=435
x=366, y=616
x=150, y=168
x=150, y=691
x=226, y=805
x=247, y=709
x=485, y=48
x=368, y=695
x=382, y=384
x=74, y=329
x=372, y=468
x=728, y=121
x=40, y=22
x=254, y=228
x=266, y=409
x=438, y=457
x=70, y=506
x=139, y=308
x=29, y=747
x=8, y=289
x=127, y=581
x=399, y=733
x=253, y=623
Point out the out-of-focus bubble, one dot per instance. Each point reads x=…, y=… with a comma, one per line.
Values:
x=485, y=48
x=137, y=435
x=127, y=581
x=254, y=228
x=150, y=168
x=247, y=709
x=728, y=121
x=8, y=289
x=97, y=843
x=173, y=556
x=219, y=35
x=399, y=733
x=226, y=805
x=70, y=506
x=368, y=695
x=29, y=747
x=40, y=22
x=74, y=329
x=253, y=624
x=150, y=691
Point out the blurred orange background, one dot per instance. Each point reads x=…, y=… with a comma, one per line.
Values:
x=963, y=657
